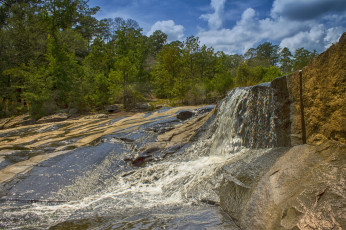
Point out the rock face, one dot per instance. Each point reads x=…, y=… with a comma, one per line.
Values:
x=302, y=186
x=52, y=155
x=303, y=189
x=53, y=118
x=324, y=85
x=7, y=123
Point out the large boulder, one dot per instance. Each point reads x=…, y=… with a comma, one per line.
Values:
x=303, y=189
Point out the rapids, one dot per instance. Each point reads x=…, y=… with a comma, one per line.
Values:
x=178, y=190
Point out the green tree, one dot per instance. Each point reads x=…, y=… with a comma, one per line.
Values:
x=22, y=41
x=302, y=57
x=43, y=45
x=121, y=80
x=189, y=54
x=270, y=73
x=156, y=41
x=97, y=67
x=167, y=69
x=267, y=54
x=62, y=14
x=243, y=75
x=38, y=93
x=65, y=73
x=286, y=60
x=250, y=54
x=223, y=80
x=130, y=51
x=247, y=75
x=205, y=63
x=88, y=26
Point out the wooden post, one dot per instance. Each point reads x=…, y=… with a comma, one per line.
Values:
x=302, y=107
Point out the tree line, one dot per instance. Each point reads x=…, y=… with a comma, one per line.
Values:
x=56, y=55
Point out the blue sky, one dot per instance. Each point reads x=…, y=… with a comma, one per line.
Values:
x=234, y=26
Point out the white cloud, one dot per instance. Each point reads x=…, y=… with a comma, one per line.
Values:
x=333, y=35
x=174, y=32
x=310, y=39
x=238, y=39
x=250, y=30
x=317, y=38
x=215, y=19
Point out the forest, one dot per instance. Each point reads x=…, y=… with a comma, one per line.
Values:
x=55, y=54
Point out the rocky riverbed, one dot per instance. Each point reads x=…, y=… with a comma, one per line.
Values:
x=271, y=156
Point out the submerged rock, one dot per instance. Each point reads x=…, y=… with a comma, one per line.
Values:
x=184, y=115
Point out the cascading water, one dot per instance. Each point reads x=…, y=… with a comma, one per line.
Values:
x=170, y=193
x=251, y=117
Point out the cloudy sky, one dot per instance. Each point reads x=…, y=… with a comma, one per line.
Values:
x=234, y=26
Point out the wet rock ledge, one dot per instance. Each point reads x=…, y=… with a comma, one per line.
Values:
x=37, y=160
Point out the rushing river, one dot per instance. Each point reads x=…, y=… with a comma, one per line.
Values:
x=171, y=195
x=95, y=187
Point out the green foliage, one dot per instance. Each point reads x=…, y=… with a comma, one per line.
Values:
x=286, y=60
x=223, y=80
x=130, y=52
x=121, y=80
x=247, y=75
x=93, y=91
x=223, y=83
x=302, y=57
x=64, y=72
x=156, y=41
x=38, y=95
x=95, y=84
x=167, y=70
x=244, y=75
x=57, y=55
x=266, y=54
x=270, y=73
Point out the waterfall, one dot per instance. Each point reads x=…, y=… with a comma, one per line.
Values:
x=248, y=120
x=252, y=117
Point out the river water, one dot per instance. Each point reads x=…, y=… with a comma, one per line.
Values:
x=175, y=194
x=179, y=191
